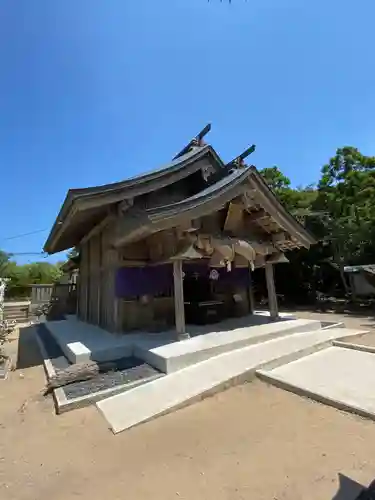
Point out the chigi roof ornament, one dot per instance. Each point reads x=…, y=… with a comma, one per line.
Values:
x=239, y=162
x=195, y=142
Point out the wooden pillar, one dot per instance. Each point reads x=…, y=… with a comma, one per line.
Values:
x=114, y=319
x=251, y=294
x=272, y=298
x=84, y=282
x=99, y=279
x=179, y=306
x=78, y=300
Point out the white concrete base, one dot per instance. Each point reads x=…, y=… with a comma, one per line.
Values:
x=82, y=342
x=197, y=381
x=341, y=377
x=170, y=357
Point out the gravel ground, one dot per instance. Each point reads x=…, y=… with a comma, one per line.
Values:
x=129, y=370
x=126, y=370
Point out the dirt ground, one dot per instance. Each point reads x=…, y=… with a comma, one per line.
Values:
x=250, y=442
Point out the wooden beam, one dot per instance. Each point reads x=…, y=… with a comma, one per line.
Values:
x=249, y=197
x=234, y=217
x=124, y=205
x=257, y=216
x=98, y=228
x=196, y=141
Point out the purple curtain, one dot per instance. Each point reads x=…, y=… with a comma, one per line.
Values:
x=153, y=280
x=237, y=276
x=136, y=281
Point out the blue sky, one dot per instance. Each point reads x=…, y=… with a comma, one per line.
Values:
x=93, y=91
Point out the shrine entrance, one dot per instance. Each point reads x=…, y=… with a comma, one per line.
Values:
x=201, y=307
x=207, y=293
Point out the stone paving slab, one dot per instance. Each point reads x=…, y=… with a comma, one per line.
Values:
x=338, y=376
x=190, y=384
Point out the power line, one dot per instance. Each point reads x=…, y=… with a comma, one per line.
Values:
x=24, y=234
x=43, y=254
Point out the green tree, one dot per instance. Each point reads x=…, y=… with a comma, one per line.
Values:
x=346, y=195
x=22, y=276
x=42, y=273
x=275, y=179
x=344, y=208
x=4, y=263
x=298, y=201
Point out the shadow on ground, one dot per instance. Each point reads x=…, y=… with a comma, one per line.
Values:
x=351, y=490
x=28, y=354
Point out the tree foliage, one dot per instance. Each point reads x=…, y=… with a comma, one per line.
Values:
x=4, y=262
x=339, y=211
x=21, y=276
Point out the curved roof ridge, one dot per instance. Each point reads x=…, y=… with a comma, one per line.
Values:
x=125, y=189
x=179, y=162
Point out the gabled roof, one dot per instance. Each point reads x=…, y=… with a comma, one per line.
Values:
x=95, y=201
x=83, y=209
x=139, y=224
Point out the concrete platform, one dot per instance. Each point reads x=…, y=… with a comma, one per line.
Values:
x=82, y=342
x=195, y=382
x=341, y=377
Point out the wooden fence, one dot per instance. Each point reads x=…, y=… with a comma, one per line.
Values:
x=62, y=297
x=41, y=294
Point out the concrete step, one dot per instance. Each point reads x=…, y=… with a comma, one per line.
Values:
x=16, y=311
x=341, y=377
x=81, y=341
x=191, y=384
x=20, y=318
x=173, y=356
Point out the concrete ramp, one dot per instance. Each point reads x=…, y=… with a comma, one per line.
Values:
x=190, y=384
x=337, y=376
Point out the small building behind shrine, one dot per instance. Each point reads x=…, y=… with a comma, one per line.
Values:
x=176, y=246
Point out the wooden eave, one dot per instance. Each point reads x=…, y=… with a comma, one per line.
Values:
x=137, y=225
x=285, y=220
x=96, y=201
